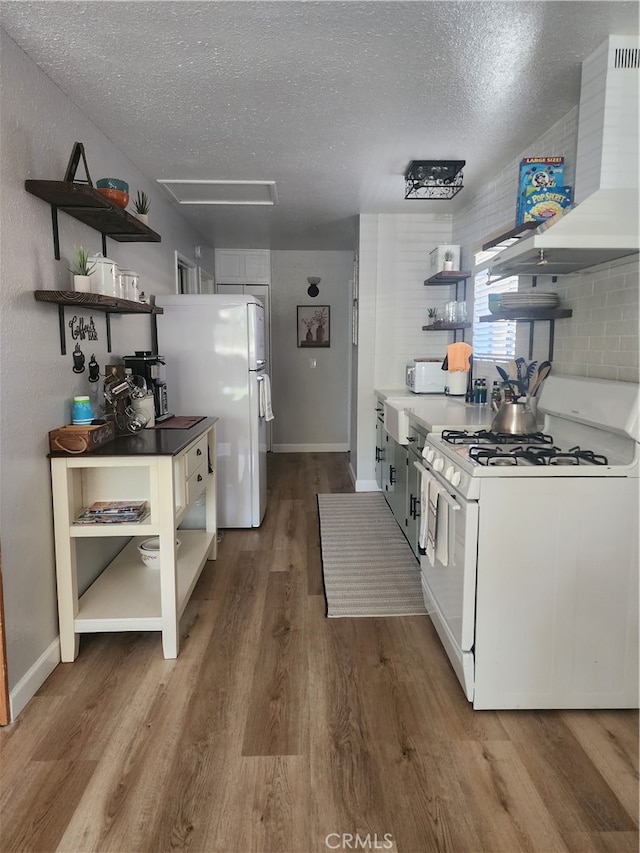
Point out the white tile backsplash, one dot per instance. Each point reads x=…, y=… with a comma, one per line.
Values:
x=602, y=334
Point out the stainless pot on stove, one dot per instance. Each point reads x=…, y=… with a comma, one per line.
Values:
x=514, y=418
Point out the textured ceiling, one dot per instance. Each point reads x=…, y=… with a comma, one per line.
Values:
x=329, y=99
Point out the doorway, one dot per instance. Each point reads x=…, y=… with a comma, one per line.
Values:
x=187, y=278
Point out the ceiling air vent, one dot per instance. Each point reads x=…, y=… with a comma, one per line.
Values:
x=626, y=57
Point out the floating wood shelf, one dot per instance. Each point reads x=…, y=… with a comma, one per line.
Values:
x=446, y=327
x=97, y=302
x=89, y=206
x=447, y=277
x=510, y=237
x=527, y=314
x=531, y=316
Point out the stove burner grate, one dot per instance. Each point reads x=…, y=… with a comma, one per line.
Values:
x=490, y=456
x=485, y=436
x=533, y=455
x=589, y=456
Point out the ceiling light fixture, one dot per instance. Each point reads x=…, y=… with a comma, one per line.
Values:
x=314, y=281
x=433, y=179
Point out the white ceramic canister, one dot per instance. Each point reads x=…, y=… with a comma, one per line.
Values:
x=105, y=277
x=130, y=285
x=457, y=382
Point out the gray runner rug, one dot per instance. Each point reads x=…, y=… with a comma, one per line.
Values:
x=369, y=568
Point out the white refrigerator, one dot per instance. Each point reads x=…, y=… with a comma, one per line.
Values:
x=215, y=364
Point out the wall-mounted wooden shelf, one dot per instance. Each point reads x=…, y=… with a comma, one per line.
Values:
x=527, y=314
x=447, y=277
x=97, y=302
x=89, y=206
x=446, y=327
x=510, y=237
x=531, y=316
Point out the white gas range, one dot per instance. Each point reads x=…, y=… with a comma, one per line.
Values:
x=531, y=567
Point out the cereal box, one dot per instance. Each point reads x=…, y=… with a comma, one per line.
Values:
x=541, y=205
x=541, y=173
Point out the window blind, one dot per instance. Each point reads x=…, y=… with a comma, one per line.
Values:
x=492, y=341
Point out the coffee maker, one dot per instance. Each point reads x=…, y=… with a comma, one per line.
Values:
x=152, y=369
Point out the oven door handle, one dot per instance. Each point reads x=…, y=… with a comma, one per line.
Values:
x=453, y=503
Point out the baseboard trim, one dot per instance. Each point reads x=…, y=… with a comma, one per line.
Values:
x=310, y=448
x=33, y=679
x=367, y=486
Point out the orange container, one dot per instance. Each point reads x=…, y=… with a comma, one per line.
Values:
x=118, y=197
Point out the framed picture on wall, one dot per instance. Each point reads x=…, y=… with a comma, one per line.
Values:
x=313, y=326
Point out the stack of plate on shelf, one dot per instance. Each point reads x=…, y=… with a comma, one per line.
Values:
x=530, y=300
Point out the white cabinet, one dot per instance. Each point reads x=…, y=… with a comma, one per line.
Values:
x=169, y=469
x=243, y=266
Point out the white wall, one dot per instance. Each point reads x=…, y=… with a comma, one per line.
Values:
x=393, y=301
x=404, y=245
x=38, y=129
x=311, y=405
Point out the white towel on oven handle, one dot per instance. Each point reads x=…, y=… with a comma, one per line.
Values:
x=264, y=384
x=432, y=519
x=425, y=479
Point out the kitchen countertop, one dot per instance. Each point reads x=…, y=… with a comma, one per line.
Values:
x=452, y=414
x=149, y=442
x=433, y=412
x=402, y=394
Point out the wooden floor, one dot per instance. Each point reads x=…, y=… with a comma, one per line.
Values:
x=280, y=730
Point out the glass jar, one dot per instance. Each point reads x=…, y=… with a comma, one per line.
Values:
x=130, y=284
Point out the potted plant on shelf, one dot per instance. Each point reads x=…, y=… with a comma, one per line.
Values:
x=448, y=261
x=141, y=207
x=81, y=270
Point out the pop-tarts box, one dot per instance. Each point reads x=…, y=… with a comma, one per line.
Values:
x=539, y=173
x=541, y=205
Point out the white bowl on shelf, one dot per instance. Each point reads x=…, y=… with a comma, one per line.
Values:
x=150, y=552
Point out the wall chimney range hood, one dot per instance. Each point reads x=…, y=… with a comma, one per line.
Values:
x=604, y=223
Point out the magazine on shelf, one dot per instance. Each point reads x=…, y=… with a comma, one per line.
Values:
x=113, y=512
x=116, y=506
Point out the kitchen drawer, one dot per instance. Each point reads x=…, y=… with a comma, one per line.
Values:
x=196, y=456
x=196, y=483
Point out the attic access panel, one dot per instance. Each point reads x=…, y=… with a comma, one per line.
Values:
x=433, y=179
x=189, y=191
